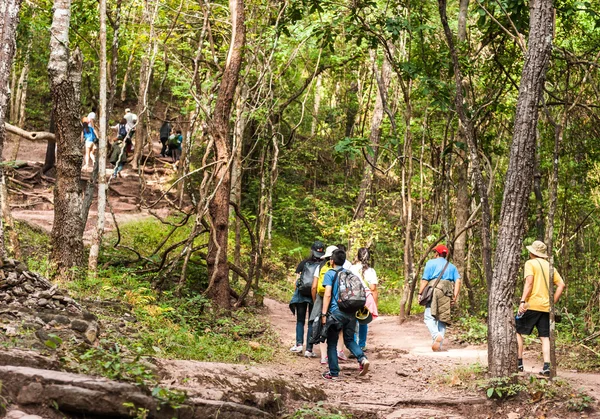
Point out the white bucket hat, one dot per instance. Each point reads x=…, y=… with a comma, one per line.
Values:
x=538, y=248
x=329, y=251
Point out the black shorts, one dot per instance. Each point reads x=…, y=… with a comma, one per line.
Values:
x=531, y=318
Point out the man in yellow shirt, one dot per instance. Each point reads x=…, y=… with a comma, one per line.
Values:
x=534, y=307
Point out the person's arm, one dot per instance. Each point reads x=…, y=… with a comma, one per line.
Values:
x=313, y=289
x=424, y=283
x=326, y=302
x=526, y=292
x=559, y=290
x=374, y=292
x=456, y=291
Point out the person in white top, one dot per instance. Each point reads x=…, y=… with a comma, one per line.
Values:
x=364, y=271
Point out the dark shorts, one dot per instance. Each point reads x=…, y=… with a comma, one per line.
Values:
x=538, y=319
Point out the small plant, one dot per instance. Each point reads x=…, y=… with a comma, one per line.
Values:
x=503, y=388
x=316, y=412
x=579, y=401
x=112, y=364
x=136, y=412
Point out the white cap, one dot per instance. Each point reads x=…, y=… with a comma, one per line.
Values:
x=329, y=251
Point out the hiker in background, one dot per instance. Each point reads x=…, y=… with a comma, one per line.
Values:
x=88, y=136
x=175, y=141
x=332, y=311
x=131, y=122
x=363, y=269
x=446, y=283
x=534, y=307
x=165, y=131
x=118, y=156
x=347, y=264
x=301, y=303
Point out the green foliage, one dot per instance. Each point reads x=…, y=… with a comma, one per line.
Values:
x=472, y=330
x=503, y=387
x=114, y=364
x=316, y=412
x=579, y=401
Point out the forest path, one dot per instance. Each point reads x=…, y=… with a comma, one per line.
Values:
x=404, y=368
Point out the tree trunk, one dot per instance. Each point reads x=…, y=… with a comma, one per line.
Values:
x=99, y=231
x=374, y=137
x=218, y=209
x=65, y=80
x=502, y=348
x=9, y=19
x=126, y=77
x=114, y=63
x=20, y=100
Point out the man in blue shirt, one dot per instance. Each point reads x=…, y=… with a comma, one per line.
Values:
x=433, y=269
x=339, y=320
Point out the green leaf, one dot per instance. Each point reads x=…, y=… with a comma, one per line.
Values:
x=490, y=392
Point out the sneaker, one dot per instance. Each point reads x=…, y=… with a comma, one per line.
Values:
x=364, y=349
x=327, y=376
x=364, y=367
x=324, y=361
x=437, y=343
x=296, y=348
x=521, y=369
x=545, y=372
x=342, y=356
x=309, y=354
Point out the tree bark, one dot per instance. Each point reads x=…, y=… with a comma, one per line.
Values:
x=9, y=19
x=99, y=231
x=218, y=209
x=65, y=80
x=21, y=99
x=374, y=137
x=502, y=348
x=114, y=63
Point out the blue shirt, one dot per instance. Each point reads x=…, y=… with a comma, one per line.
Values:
x=433, y=268
x=328, y=281
x=89, y=134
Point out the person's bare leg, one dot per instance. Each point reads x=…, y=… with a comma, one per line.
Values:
x=519, y=346
x=340, y=344
x=546, y=349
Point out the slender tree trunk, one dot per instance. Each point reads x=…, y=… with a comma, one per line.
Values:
x=375, y=135
x=9, y=19
x=540, y=226
x=316, y=106
x=65, y=80
x=114, y=63
x=502, y=348
x=218, y=209
x=99, y=231
x=126, y=77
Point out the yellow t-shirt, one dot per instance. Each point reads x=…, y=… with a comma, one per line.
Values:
x=538, y=299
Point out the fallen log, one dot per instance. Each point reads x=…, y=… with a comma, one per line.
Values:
x=31, y=136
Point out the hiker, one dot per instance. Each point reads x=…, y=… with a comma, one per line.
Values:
x=338, y=316
x=301, y=303
x=88, y=136
x=347, y=264
x=534, y=307
x=446, y=284
x=175, y=141
x=317, y=293
x=165, y=131
x=362, y=268
x=118, y=156
x=131, y=122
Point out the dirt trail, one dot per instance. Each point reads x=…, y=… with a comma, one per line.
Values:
x=403, y=369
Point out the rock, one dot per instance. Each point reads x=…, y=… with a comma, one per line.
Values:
x=31, y=417
x=88, y=316
x=29, y=288
x=254, y=345
x=91, y=334
x=42, y=335
x=42, y=302
x=79, y=325
x=30, y=394
x=60, y=319
x=15, y=414
x=11, y=331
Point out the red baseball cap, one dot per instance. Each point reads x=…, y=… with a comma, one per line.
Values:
x=441, y=249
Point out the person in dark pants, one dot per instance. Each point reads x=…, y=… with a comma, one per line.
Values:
x=302, y=305
x=165, y=131
x=346, y=322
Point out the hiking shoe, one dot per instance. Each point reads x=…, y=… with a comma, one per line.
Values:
x=296, y=349
x=437, y=343
x=324, y=361
x=545, y=372
x=364, y=349
x=521, y=369
x=342, y=356
x=309, y=354
x=364, y=367
x=327, y=376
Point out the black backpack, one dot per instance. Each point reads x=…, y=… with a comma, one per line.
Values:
x=122, y=130
x=351, y=291
x=306, y=278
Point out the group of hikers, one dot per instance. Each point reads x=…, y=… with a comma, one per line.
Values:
x=340, y=299
x=122, y=144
